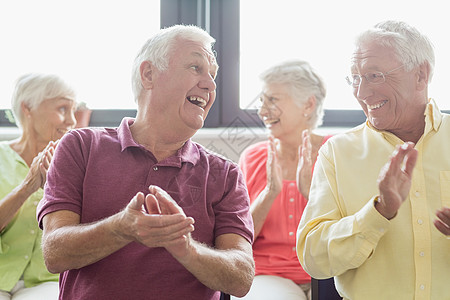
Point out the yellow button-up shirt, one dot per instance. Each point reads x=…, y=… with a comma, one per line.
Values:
x=341, y=233
x=20, y=242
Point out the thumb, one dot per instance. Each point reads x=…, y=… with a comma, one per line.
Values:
x=137, y=202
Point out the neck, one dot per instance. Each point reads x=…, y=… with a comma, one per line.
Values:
x=288, y=145
x=27, y=147
x=160, y=143
x=414, y=132
x=410, y=136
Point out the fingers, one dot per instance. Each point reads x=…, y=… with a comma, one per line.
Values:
x=306, y=148
x=404, y=154
x=166, y=204
x=411, y=159
x=443, y=221
x=162, y=230
x=152, y=205
x=271, y=151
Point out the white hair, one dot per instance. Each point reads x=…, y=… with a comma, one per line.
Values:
x=303, y=82
x=411, y=47
x=31, y=89
x=158, y=49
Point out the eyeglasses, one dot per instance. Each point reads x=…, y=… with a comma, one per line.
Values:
x=372, y=77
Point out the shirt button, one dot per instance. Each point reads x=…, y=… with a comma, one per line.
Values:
x=420, y=221
x=291, y=200
x=421, y=253
x=155, y=168
x=32, y=231
x=35, y=203
x=291, y=216
x=26, y=257
x=422, y=287
x=291, y=184
x=293, y=249
x=291, y=233
x=417, y=194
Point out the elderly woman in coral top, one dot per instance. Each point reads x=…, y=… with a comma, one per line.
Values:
x=278, y=176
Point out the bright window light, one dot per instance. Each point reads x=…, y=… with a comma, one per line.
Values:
x=322, y=33
x=89, y=43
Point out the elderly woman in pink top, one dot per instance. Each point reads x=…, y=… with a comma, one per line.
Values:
x=278, y=176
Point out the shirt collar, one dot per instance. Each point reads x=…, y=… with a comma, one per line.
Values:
x=189, y=152
x=124, y=134
x=433, y=116
x=433, y=119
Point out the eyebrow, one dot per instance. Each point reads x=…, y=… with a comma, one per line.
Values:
x=210, y=58
x=274, y=95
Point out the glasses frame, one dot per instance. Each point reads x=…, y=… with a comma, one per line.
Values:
x=366, y=76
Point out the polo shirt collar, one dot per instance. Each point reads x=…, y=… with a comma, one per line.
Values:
x=124, y=134
x=189, y=152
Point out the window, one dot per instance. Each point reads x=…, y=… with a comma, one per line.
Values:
x=322, y=32
x=91, y=44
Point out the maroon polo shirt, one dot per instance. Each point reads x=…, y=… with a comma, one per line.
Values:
x=96, y=172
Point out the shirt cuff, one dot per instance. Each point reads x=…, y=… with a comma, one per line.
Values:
x=371, y=223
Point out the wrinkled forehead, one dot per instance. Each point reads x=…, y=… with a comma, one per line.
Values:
x=371, y=54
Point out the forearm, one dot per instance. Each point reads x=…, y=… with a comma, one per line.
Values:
x=76, y=246
x=329, y=246
x=260, y=208
x=12, y=202
x=229, y=270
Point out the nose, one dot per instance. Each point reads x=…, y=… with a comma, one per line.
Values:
x=70, y=119
x=265, y=107
x=363, y=90
x=208, y=83
x=262, y=111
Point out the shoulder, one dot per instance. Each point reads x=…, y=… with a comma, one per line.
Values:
x=446, y=119
x=89, y=135
x=349, y=139
x=4, y=146
x=256, y=150
x=7, y=154
x=211, y=156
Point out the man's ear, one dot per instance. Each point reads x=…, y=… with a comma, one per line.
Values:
x=147, y=74
x=423, y=76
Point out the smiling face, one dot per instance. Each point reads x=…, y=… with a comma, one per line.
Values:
x=51, y=119
x=279, y=111
x=182, y=95
x=396, y=104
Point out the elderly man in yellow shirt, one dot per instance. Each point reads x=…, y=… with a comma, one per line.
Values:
x=377, y=217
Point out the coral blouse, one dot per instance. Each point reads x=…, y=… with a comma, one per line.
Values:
x=274, y=248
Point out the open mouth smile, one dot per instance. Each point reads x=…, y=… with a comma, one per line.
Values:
x=377, y=106
x=200, y=102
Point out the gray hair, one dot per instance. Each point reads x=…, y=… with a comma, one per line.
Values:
x=31, y=89
x=411, y=47
x=303, y=82
x=158, y=49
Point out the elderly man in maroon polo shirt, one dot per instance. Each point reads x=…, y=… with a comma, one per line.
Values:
x=141, y=211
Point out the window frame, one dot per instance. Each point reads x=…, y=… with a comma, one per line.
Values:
x=222, y=20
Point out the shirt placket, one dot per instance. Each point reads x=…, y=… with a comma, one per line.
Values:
x=421, y=230
x=291, y=206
